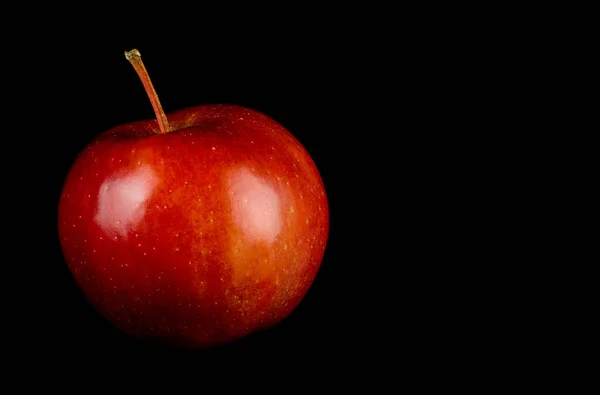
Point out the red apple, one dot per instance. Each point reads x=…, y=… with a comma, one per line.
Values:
x=196, y=228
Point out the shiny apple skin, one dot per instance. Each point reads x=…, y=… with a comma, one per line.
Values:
x=199, y=236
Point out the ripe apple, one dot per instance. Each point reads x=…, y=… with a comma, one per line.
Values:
x=196, y=228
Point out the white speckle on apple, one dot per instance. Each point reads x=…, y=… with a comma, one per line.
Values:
x=139, y=245
x=251, y=141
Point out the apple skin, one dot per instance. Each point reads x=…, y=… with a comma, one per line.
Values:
x=198, y=236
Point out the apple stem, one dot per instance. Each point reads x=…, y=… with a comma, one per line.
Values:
x=135, y=59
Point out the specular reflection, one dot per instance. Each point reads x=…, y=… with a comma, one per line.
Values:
x=122, y=200
x=255, y=205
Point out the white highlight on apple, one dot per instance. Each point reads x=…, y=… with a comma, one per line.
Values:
x=256, y=206
x=122, y=200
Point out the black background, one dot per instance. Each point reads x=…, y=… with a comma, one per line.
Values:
x=380, y=101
